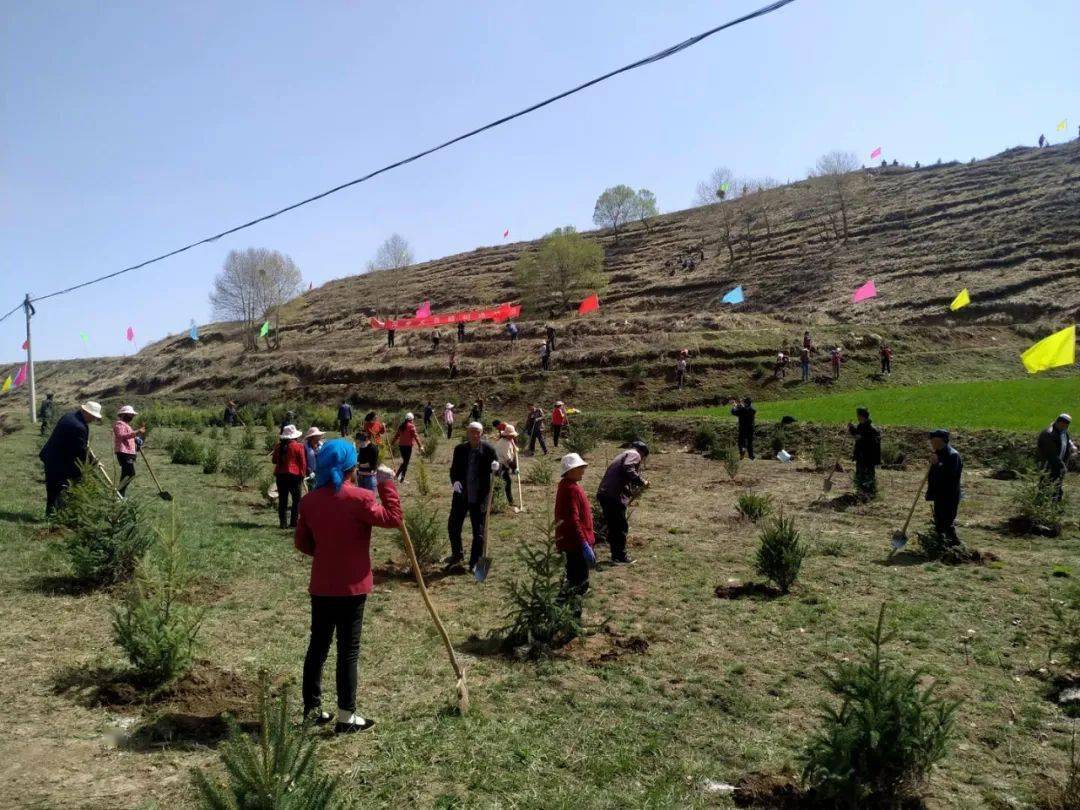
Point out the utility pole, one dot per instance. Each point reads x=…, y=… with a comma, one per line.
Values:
x=30, y=311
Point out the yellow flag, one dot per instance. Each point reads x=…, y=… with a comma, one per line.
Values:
x=1062, y=124
x=1057, y=350
x=7, y=385
x=961, y=300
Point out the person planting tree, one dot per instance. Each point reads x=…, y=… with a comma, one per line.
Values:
x=506, y=450
x=126, y=443
x=943, y=484
x=574, y=535
x=622, y=482
x=67, y=448
x=334, y=529
x=1055, y=447
x=471, y=468
x=866, y=453
x=290, y=469
x=405, y=438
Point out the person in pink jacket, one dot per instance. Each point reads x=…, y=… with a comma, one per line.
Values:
x=126, y=443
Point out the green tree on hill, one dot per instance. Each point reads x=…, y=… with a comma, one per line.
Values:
x=565, y=269
x=620, y=204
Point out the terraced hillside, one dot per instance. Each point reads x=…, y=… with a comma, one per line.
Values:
x=1007, y=228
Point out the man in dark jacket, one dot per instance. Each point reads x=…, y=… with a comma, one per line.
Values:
x=866, y=453
x=231, y=418
x=621, y=483
x=1054, y=449
x=66, y=448
x=470, y=477
x=344, y=416
x=429, y=412
x=46, y=413
x=549, y=331
x=943, y=483
x=745, y=413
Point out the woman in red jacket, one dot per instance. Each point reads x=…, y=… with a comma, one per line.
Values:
x=290, y=469
x=405, y=438
x=574, y=528
x=335, y=530
x=559, y=420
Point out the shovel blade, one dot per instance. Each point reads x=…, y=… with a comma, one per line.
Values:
x=483, y=567
x=899, y=540
x=165, y=496
x=827, y=486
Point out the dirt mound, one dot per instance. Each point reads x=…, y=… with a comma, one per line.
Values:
x=741, y=590
x=605, y=647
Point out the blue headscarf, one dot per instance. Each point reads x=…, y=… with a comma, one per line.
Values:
x=335, y=458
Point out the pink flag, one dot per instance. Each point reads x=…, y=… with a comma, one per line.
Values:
x=20, y=378
x=130, y=334
x=867, y=290
x=876, y=153
x=506, y=233
x=424, y=311
x=590, y=304
x=25, y=345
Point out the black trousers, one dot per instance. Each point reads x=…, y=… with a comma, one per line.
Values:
x=577, y=580
x=343, y=615
x=537, y=435
x=449, y=429
x=288, y=486
x=886, y=365
x=127, y=471
x=1054, y=473
x=617, y=525
x=459, y=508
x=508, y=484
x=679, y=378
x=389, y=338
x=406, y=455
x=343, y=427
x=746, y=443
x=54, y=493
x=945, y=517
x=556, y=431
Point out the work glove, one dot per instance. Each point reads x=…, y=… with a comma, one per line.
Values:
x=458, y=489
x=384, y=474
x=494, y=466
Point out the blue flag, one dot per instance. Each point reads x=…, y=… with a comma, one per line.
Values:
x=733, y=297
x=194, y=330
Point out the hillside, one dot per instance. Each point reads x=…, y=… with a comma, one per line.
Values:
x=1007, y=228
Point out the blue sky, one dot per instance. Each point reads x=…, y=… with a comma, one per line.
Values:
x=129, y=129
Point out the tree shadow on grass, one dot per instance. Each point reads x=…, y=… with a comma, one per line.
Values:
x=60, y=585
x=244, y=524
x=21, y=517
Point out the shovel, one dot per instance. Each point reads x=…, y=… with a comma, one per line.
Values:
x=483, y=565
x=105, y=475
x=900, y=538
x=827, y=486
x=165, y=496
x=521, y=498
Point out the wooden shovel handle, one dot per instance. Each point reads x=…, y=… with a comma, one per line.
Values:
x=149, y=469
x=915, y=502
x=427, y=599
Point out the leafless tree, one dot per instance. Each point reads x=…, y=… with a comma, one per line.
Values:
x=726, y=217
x=720, y=185
x=765, y=199
x=251, y=287
x=393, y=254
x=837, y=183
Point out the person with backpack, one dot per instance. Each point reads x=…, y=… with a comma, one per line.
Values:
x=405, y=438
x=866, y=453
x=574, y=535
x=559, y=421
x=746, y=414
x=344, y=417
x=290, y=469
x=621, y=483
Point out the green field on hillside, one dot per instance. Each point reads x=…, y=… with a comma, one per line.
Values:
x=1027, y=404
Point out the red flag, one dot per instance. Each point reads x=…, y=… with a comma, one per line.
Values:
x=25, y=345
x=506, y=233
x=20, y=378
x=130, y=333
x=589, y=304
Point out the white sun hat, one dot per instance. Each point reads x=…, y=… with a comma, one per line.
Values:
x=313, y=431
x=290, y=432
x=450, y=405
x=559, y=403
x=127, y=410
x=409, y=417
x=91, y=409
x=475, y=426
x=571, y=461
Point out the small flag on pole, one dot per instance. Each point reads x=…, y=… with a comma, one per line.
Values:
x=876, y=153
x=506, y=233
x=25, y=345
x=20, y=378
x=193, y=332
x=84, y=337
x=1059, y=349
x=589, y=304
x=867, y=290
x=424, y=310
x=130, y=334
x=264, y=330
x=733, y=296
x=1062, y=124
x=7, y=385
x=962, y=300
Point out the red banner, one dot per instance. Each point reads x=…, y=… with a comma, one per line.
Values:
x=503, y=312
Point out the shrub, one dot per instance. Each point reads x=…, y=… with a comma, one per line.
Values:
x=1067, y=614
x=635, y=374
x=636, y=428
x=779, y=439
x=540, y=615
x=248, y=440
x=754, y=507
x=423, y=480
x=781, y=553
x=241, y=467
x=211, y=460
x=582, y=436
x=891, y=454
x=268, y=480
x=499, y=503
x=107, y=537
x=879, y=746
x=270, y=440
x=280, y=771
x=1034, y=504
x=706, y=440
x=186, y=451
x=820, y=455
x=424, y=524
x=540, y=472
x=431, y=444
x=730, y=458
x=936, y=546
x=152, y=625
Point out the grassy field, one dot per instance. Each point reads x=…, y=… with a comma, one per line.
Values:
x=672, y=688
x=1022, y=405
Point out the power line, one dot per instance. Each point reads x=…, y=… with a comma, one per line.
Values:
x=648, y=60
